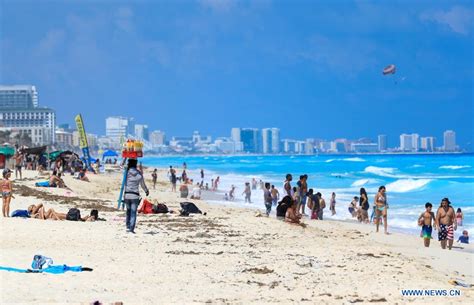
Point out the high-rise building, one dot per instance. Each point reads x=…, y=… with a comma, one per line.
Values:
x=235, y=134
x=117, y=128
x=266, y=140
x=449, y=143
x=427, y=143
x=157, y=138
x=382, y=142
x=20, y=113
x=250, y=137
x=275, y=140
x=270, y=140
x=141, y=132
x=409, y=142
x=18, y=96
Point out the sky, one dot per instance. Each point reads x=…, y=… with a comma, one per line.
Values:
x=311, y=68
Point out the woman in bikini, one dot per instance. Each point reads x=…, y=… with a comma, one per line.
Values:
x=7, y=192
x=381, y=208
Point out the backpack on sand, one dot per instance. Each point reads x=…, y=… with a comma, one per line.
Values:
x=73, y=214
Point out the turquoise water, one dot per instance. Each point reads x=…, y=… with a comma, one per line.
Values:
x=411, y=180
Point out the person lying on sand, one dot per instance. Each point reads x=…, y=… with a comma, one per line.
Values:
x=62, y=216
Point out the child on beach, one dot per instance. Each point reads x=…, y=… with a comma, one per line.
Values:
x=426, y=222
x=459, y=217
x=464, y=238
x=7, y=192
x=353, y=206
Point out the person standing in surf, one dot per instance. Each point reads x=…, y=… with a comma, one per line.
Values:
x=267, y=198
x=247, y=192
x=381, y=207
x=364, y=206
x=332, y=204
x=287, y=185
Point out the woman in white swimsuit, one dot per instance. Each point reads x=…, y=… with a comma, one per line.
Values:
x=381, y=208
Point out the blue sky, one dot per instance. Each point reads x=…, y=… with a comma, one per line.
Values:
x=312, y=68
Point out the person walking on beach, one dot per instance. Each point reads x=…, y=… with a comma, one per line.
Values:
x=287, y=185
x=132, y=193
x=202, y=177
x=173, y=180
x=363, y=206
x=247, y=192
x=426, y=221
x=445, y=221
x=381, y=208
x=18, y=164
x=275, y=195
x=7, y=192
x=332, y=204
x=267, y=198
x=154, y=176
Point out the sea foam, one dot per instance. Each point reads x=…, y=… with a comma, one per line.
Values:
x=355, y=159
x=454, y=166
x=407, y=185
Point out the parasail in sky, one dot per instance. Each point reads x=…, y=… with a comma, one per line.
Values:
x=390, y=69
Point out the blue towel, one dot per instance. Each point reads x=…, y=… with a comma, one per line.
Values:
x=58, y=269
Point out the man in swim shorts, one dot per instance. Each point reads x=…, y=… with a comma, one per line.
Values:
x=446, y=225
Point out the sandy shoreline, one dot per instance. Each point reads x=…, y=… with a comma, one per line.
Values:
x=228, y=256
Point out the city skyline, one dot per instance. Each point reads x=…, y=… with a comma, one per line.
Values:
x=178, y=66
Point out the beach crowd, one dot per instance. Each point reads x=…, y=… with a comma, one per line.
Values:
x=299, y=201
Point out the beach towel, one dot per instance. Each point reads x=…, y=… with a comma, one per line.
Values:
x=58, y=269
x=20, y=213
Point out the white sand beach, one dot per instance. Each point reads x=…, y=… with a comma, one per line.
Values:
x=228, y=256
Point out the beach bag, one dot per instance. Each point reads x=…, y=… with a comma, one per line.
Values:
x=20, y=213
x=190, y=208
x=40, y=261
x=160, y=208
x=73, y=214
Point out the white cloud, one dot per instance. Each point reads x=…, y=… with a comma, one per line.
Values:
x=50, y=42
x=123, y=19
x=459, y=19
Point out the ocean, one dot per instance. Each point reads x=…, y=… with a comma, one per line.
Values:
x=411, y=180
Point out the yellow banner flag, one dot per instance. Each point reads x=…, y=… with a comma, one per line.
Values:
x=82, y=132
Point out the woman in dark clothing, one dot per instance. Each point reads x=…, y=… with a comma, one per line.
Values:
x=364, y=206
